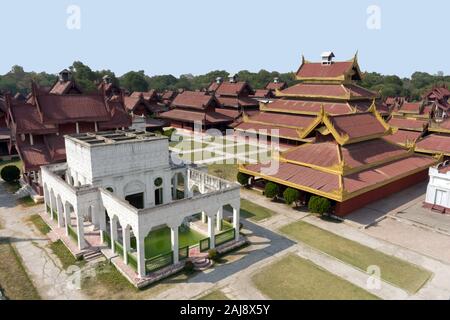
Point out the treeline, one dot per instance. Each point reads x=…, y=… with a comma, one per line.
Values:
x=18, y=80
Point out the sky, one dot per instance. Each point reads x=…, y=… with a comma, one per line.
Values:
x=197, y=36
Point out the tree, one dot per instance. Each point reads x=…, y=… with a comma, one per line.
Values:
x=271, y=190
x=319, y=205
x=10, y=173
x=243, y=178
x=134, y=81
x=291, y=195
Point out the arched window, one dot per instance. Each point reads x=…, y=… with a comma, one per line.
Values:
x=158, y=191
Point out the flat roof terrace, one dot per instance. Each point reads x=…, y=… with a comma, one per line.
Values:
x=112, y=137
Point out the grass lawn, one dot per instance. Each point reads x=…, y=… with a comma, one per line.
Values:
x=26, y=202
x=158, y=241
x=64, y=255
x=108, y=283
x=252, y=211
x=14, y=279
x=294, y=278
x=396, y=271
x=215, y=295
x=224, y=171
x=17, y=163
x=39, y=223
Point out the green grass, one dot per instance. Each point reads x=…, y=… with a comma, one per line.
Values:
x=26, y=202
x=39, y=223
x=17, y=163
x=14, y=279
x=393, y=270
x=294, y=278
x=252, y=211
x=215, y=295
x=224, y=171
x=64, y=255
x=159, y=242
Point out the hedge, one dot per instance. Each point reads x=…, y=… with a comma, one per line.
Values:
x=291, y=195
x=10, y=173
x=319, y=205
x=271, y=190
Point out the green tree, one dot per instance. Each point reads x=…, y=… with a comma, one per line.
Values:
x=319, y=205
x=291, y=195
x=243, y=178
x=10, y=173
x=271, y=190
x=134, y=81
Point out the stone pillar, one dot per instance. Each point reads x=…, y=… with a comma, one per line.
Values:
x=219, y=219
x=101, y=221
x=174, y=240
x=204, y=218
x=60, y=212
x=52, y=205
x=80, y=230
x=236, y=214
x=175, y=185
x=211, y=231
x=67, y=218
x=113, y=233
x=140, y=246
x=126, y=242
x=167, y=191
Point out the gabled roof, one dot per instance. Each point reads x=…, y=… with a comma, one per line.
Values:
x=434, y=144
x=194, y=100
x=327, y=91
x=65, y=87
x=276, y=85
x=27, y=119
x=438, y=93
x=403, y=137
x=408, y=124
x=133, y=101
x=336, y=71
x=233, y=88
x=148, y=96
x=72, y=108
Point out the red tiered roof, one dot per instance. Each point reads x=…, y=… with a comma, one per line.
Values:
x=434, y=144
x=411, y=124
x=402, y=137
x=311, y=70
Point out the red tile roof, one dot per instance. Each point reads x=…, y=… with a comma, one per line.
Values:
x=27, y=120
x=434, y=143
x=271, y=130
x=33, y=157
x=118, y=117
x=64, y=87
x=318, y=70
x=195, y=116
x=412, y=124
x=280, y=119
x=403, y=136
x=357, y=125
x=308, y=107
x=72, y=108
x=194, y=100
x=238, y=102
x=233, y=88
x=276, y=85
x=337, y=91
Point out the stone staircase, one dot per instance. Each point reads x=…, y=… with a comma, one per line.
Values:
x=201, y=263
x=92, y=255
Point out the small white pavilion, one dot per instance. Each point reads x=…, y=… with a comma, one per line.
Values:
x=438, y=190
x=121, y=185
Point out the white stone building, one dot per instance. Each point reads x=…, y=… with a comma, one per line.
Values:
x=438, y=190
x=126, y=181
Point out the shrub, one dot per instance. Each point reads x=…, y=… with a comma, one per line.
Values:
x=319, y=205
x=189, y=266
x=243, y=178
x=10, y=173
x=291, y=195
x=271, y=190
x=169, y=132
x=212, y=254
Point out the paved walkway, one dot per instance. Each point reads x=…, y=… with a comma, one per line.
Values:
x=43, y=267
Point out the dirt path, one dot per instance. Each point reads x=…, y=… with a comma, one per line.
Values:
x=43, y=267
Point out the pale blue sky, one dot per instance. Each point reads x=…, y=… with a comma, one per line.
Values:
x=197, y=36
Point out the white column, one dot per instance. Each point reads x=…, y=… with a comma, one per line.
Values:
x=236, y=214
x=174, y=239
x=140, y=246
x=175, y=185
x=77, y=125
x=126, y=243
x=219, y=219
x=102, y=221
x=204, y=217
x=80, y=231
x=67, y=217
x=113, y=225
x=211, y=231
x=52, y=205
x=60, y=212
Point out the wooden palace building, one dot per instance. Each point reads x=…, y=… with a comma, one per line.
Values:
x=348, y=161
x=38, y=125
x=331, y=85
